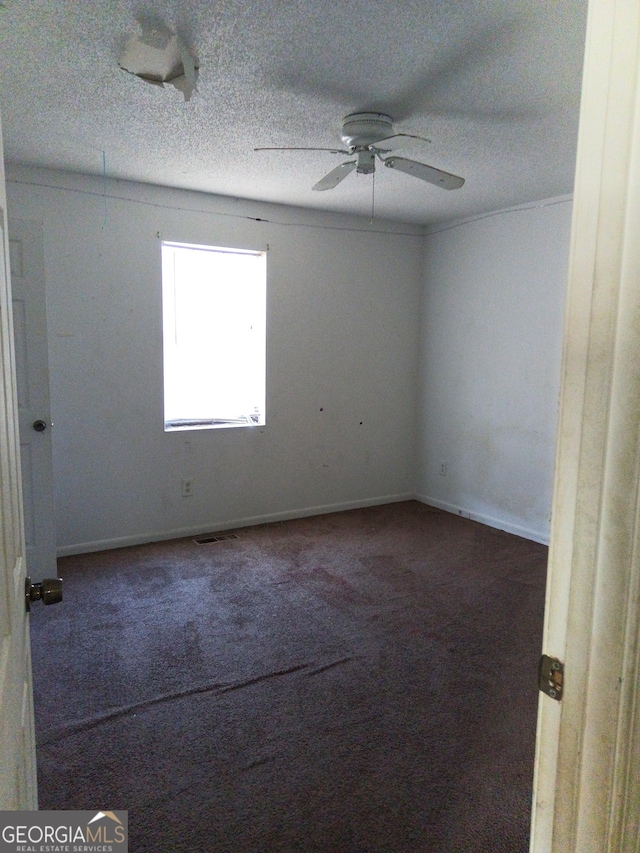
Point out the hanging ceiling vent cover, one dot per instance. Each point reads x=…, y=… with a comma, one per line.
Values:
x=159, y=56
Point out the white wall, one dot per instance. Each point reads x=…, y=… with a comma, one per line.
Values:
x=475, y=387
x=343, y=327
x=490, y=365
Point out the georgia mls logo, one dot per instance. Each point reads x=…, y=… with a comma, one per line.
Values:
x=64, y=832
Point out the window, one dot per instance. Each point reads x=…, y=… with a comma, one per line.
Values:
x=214, y=318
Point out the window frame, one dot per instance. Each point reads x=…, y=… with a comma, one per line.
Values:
x=251, y=418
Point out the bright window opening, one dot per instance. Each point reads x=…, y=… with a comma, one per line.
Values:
x=214, y=317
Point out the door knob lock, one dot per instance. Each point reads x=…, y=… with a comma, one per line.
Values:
x=48, y=591
x=39, y=425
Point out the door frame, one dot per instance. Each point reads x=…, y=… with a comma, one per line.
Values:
x=585, y=794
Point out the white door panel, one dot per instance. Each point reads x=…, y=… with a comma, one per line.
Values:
x=32, y=373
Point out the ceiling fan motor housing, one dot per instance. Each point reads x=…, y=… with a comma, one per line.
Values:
x=359, y=130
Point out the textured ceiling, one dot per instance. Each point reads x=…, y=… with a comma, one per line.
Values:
x=494, y=84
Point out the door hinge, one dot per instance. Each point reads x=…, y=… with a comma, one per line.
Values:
x=551, y=677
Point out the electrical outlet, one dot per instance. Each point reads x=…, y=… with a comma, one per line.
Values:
x=443, y=469
x=187, y=488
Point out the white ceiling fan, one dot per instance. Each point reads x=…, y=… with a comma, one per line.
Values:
x=361, y=134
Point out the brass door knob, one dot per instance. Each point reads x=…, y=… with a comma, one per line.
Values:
x=48, y=591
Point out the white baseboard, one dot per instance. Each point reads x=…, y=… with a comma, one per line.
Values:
x=220, y=525
x=227, y=524
x=498, y=523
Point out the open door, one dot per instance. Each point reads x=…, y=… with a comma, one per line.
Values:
x=17, y=741
x=587, y=784
x=26, y=247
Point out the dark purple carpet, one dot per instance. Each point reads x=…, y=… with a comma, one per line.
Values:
x=352, y=683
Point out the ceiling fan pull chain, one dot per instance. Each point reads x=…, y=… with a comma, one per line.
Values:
x=373, y=194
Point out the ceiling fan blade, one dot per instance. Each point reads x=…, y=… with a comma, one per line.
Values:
x=425, y=173
x=407, y=135
x=331, y=150
x=335, y=176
